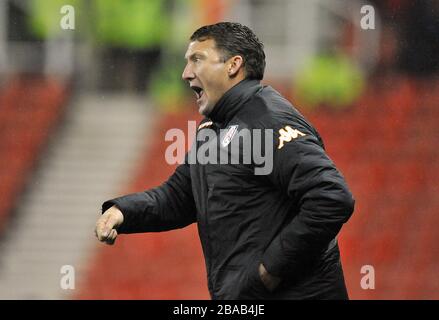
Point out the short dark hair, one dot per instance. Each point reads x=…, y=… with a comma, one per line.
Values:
x=236, y=39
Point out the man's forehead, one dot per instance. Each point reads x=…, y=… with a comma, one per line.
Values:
x=200, y=47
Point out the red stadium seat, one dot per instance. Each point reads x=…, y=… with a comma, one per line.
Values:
x=29, y=109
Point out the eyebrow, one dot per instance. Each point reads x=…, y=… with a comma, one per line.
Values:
x=193, y=55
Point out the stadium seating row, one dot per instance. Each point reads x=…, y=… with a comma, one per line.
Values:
x=30, y=107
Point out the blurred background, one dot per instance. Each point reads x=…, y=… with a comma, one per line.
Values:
x=86, y=99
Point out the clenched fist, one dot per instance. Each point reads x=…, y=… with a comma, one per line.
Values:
x=105, y=226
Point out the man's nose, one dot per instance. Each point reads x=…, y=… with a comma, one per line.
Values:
x=188, y=73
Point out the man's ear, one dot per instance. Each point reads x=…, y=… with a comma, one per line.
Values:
x=236, y=63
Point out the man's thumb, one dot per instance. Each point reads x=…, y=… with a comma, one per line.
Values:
x=111, y=223
x=105, y=232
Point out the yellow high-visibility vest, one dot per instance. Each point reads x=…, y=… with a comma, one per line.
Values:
x=130, y=23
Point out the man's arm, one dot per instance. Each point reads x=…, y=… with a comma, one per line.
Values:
x=323, y=201
x=169, y=206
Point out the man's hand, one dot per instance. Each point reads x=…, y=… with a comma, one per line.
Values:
x=270, y=281
x=105, y=226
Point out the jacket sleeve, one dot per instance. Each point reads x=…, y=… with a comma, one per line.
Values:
x=169, y=206
x=322, y=201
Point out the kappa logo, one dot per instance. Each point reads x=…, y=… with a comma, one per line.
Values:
x=287, y=134
x=229, y=135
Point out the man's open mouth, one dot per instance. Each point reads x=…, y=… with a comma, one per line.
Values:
x=198, y=91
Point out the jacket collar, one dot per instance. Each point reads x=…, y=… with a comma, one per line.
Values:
x=230, y=103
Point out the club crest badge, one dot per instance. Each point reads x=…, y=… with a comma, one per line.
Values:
x=229, y=135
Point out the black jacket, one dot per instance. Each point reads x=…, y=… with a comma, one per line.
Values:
x=287, y=219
